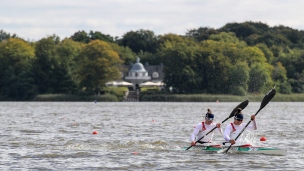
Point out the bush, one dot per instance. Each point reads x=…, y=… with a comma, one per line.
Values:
x=289, y=98
x=162, y=97
x=150, y=89
x=101, y=98
x=119, y=92
x=70, y=97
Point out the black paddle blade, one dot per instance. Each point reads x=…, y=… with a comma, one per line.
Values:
x=267, y=98
x=241, y=105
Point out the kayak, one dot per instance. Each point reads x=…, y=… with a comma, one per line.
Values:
x=248, y=149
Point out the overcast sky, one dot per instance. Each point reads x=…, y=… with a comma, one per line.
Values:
x=36, y=19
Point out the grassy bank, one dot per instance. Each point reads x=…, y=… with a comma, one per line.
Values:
x=109, y=94
x=75, y=98
x=221, y=98
x=158, y=96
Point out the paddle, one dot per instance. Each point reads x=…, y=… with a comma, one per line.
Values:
x=241, y=105
x=264, y=102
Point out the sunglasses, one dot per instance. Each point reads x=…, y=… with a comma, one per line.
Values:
x=210, y=119
x=239, y=119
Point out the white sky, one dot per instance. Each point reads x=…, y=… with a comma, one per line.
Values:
x=36, y=19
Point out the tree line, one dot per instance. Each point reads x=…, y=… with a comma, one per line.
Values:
x=234, y=59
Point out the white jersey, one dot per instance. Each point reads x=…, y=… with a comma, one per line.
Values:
x=230, y=133
x=199, y=132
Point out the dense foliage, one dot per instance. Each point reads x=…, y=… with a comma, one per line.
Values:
x=238, y=58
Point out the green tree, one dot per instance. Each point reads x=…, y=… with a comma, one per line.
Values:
x=179, y=66
x=285, y=88
x=97, y=64
x=298, y=75
x=149, y=58
x=279, y=76
x=18, y=86
x=279, y=73
x=271, y=39
x=298, y=82
x=4, y=35
x=202, y=33
x=295, y=37
x=238, y=78
x=228, y=45
x=259, y=78
x=125, y=53
x=227, y=38
x=267, y=52
x=144, y=40
x=292, y=61
x=242, y=30
x=51, y=73
x=214, y=66
x=16, y=79
x=162, y=39
x=84, y=37
x=67, y=50
x=254, y=55
x=81, y=36
x=97, y=35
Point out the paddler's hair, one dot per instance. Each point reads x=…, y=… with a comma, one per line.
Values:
x=239, y=115
x=209, y=115
x=239, y=111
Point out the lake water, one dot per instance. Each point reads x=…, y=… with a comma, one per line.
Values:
x=139, y=136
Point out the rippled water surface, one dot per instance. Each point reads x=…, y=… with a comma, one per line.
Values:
x=138, y=136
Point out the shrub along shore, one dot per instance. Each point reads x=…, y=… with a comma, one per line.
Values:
x=153, y=94
x=221, y=98
x=166, y=97
x=76, y=98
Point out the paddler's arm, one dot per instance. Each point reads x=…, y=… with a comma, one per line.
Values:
x=194, y=133
x=227, y=132
x=218, y=127
x=255, y=127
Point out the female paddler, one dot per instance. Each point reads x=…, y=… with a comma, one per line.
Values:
x=203, y=128
x=233, y=129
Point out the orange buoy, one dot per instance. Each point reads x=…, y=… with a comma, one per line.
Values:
x=95, y=132
x=135, y=152
x=263, y=138
x=153, y=120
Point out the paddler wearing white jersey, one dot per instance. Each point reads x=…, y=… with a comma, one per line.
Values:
x=233, y=129
x=203, y=128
